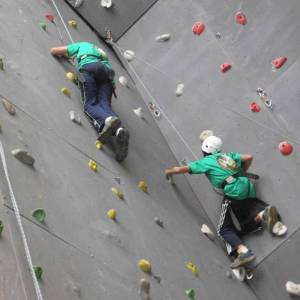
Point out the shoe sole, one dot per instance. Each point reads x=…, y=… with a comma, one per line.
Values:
x=122, y=141
x=246, y=261
x=272, y=218
x=108, y=130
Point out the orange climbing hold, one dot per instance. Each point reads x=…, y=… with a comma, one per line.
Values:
x=50, y=17
x=198, y=28
x=240, y=18
x=255, y=107
x=279, y=62
x=285, y=148
x=225, y=67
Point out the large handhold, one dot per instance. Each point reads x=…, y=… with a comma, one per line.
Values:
x=9, y=107
x=23, y=156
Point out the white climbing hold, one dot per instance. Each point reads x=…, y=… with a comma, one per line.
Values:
x=23, y=156
x=293, y=288
x=75, y=118
x=129, y=55
x=179, y=89
x=279, y=229
x=218, y=35
x=163, y=38
x=239, y=273
x=9, y=107
x=106, y=3
x=206, y=230
x=78, y=3
x=144, y=289
x=123, y=81
x=205, y=134
x=159, y=222
x=139, y=112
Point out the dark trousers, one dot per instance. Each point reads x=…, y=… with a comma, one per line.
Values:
x=97, y=92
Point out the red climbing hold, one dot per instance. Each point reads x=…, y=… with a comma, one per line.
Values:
x=278, y=62
x=255, y=107
x=225, y=67
x=240, y=18
x=285, y=148
x=198, y=28
x=50, y=17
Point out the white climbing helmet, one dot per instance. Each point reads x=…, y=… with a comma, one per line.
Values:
x=212, y=144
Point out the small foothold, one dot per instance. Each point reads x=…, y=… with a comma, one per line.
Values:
x=163, y=38
x=66, y=91
x=72, y=23
x=218, y=35
x=93, y=165
x=144, y=289
x=1, y=227
x=279, y=229
x=293, y=288
x=129, y=55
x=198, y=28
x=112, y=214
x=98, y=145
x=23, y=156
x=143, y=186
x=206, y=230
x=74, y=118
x=170, y=179
x=50, y=17
x=117, y=179
x=117, y=192
x=1, y=64
x=144, y=265
x=228, y=274
x=205, y=134
x=71, y=76
x=39, y=214
x=193, y=268
x=10, y=108
x=77, y=3
x=43, y=26
x=139, y=112
x=179, y=89
x=38, y=271
x=255, y=107
x=279, y=62
x=240, y=18
x=159, y=222
x=225, y=67
x=285, y=148
x=190, y=293
x=123, y=81
x=106, y=3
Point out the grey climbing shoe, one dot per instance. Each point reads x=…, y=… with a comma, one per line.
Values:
x=243, y=259
x=111, y=124
x=270, y=218
x=122, y=140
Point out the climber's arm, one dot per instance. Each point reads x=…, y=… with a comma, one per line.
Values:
x=177, y=170
x=60, y=51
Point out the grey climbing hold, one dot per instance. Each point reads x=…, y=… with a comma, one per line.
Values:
x=205, y=134
x=1, y=64
x=170, y=179
x=218, y=35
x=117, y=179
x=123, y=81
x=23, y=156
x=10, y=108
x=1, y=227
x=163, y=38
x=106, y=3
x=179, y=89
x=75, y=3
x=144, y=291
x=206, y=230
x=293, y=288
x=229, y=274
x=159, y=222
x=38, y=271
x=129, y=55
x=139, y=112
x=39, y=214
x=75, y=118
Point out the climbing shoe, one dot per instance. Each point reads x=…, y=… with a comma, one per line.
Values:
x=243, y=259
x=270, y=218
x=122, y=140
x=111, y=124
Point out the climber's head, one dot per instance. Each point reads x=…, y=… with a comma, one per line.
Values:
x=211, y=144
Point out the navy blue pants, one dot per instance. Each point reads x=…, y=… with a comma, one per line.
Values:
x=97, y=92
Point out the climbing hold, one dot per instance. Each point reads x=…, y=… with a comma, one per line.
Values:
x=1, y=227
x=118, y=193
x=43, y=26
x=255, y=107
x=279, y=229
x=240, y=18
x=66, y=91
x=179, y=89
x=218, y=35
x=112, y=214
x=144, y=291
x=278, y=62
x=50, y=17
x=39, y=214
x=205, y=134
x=10, y=108
x=190, y=293
x=170, y=179
x=285, y=148
x=293, y=288
x=163, y=38
x=1, y=64
x=38, y=271
x=106, y=3
x=75, y=3
x=139, y=112
x=192, y=267
x=129, y=55
x=71, y=76
x=239, y=273
x=159, y=222
x=93, y=165
x=98, y=145
x=144, y=265
x=23, y=156
x=264, y=97
x=198, y=28
x=123, y=81
x=228, y=274
x=225, y=67
x=206, y=230
x=72, y=23
x=143, y=186
x=74, y=118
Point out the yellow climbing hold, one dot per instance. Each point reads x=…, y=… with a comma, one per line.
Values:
x=93, y=165
x=98, y=145
x=117, y=192
x=143, y=186
x=71, y=76
x=112, y=214
x=72, y=23
x=144, y=265
x=192, y=267
x=66, y=91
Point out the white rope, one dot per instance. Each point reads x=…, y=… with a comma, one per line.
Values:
x=19, y=221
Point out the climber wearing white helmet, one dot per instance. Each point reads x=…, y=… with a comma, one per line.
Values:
x=241, y=211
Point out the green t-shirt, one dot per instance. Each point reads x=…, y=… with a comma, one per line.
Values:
x=87, y=53
x=218, y=167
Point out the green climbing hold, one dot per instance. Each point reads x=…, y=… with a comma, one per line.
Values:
x=43, y=26
x=39, y=214
x=1, y=64
x=1, y=227
x=190, y=293
x=38, y=271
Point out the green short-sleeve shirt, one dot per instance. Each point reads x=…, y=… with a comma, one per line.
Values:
x=87, y=53
x=218, y=167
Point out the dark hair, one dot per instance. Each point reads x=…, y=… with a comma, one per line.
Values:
x=205, y=153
